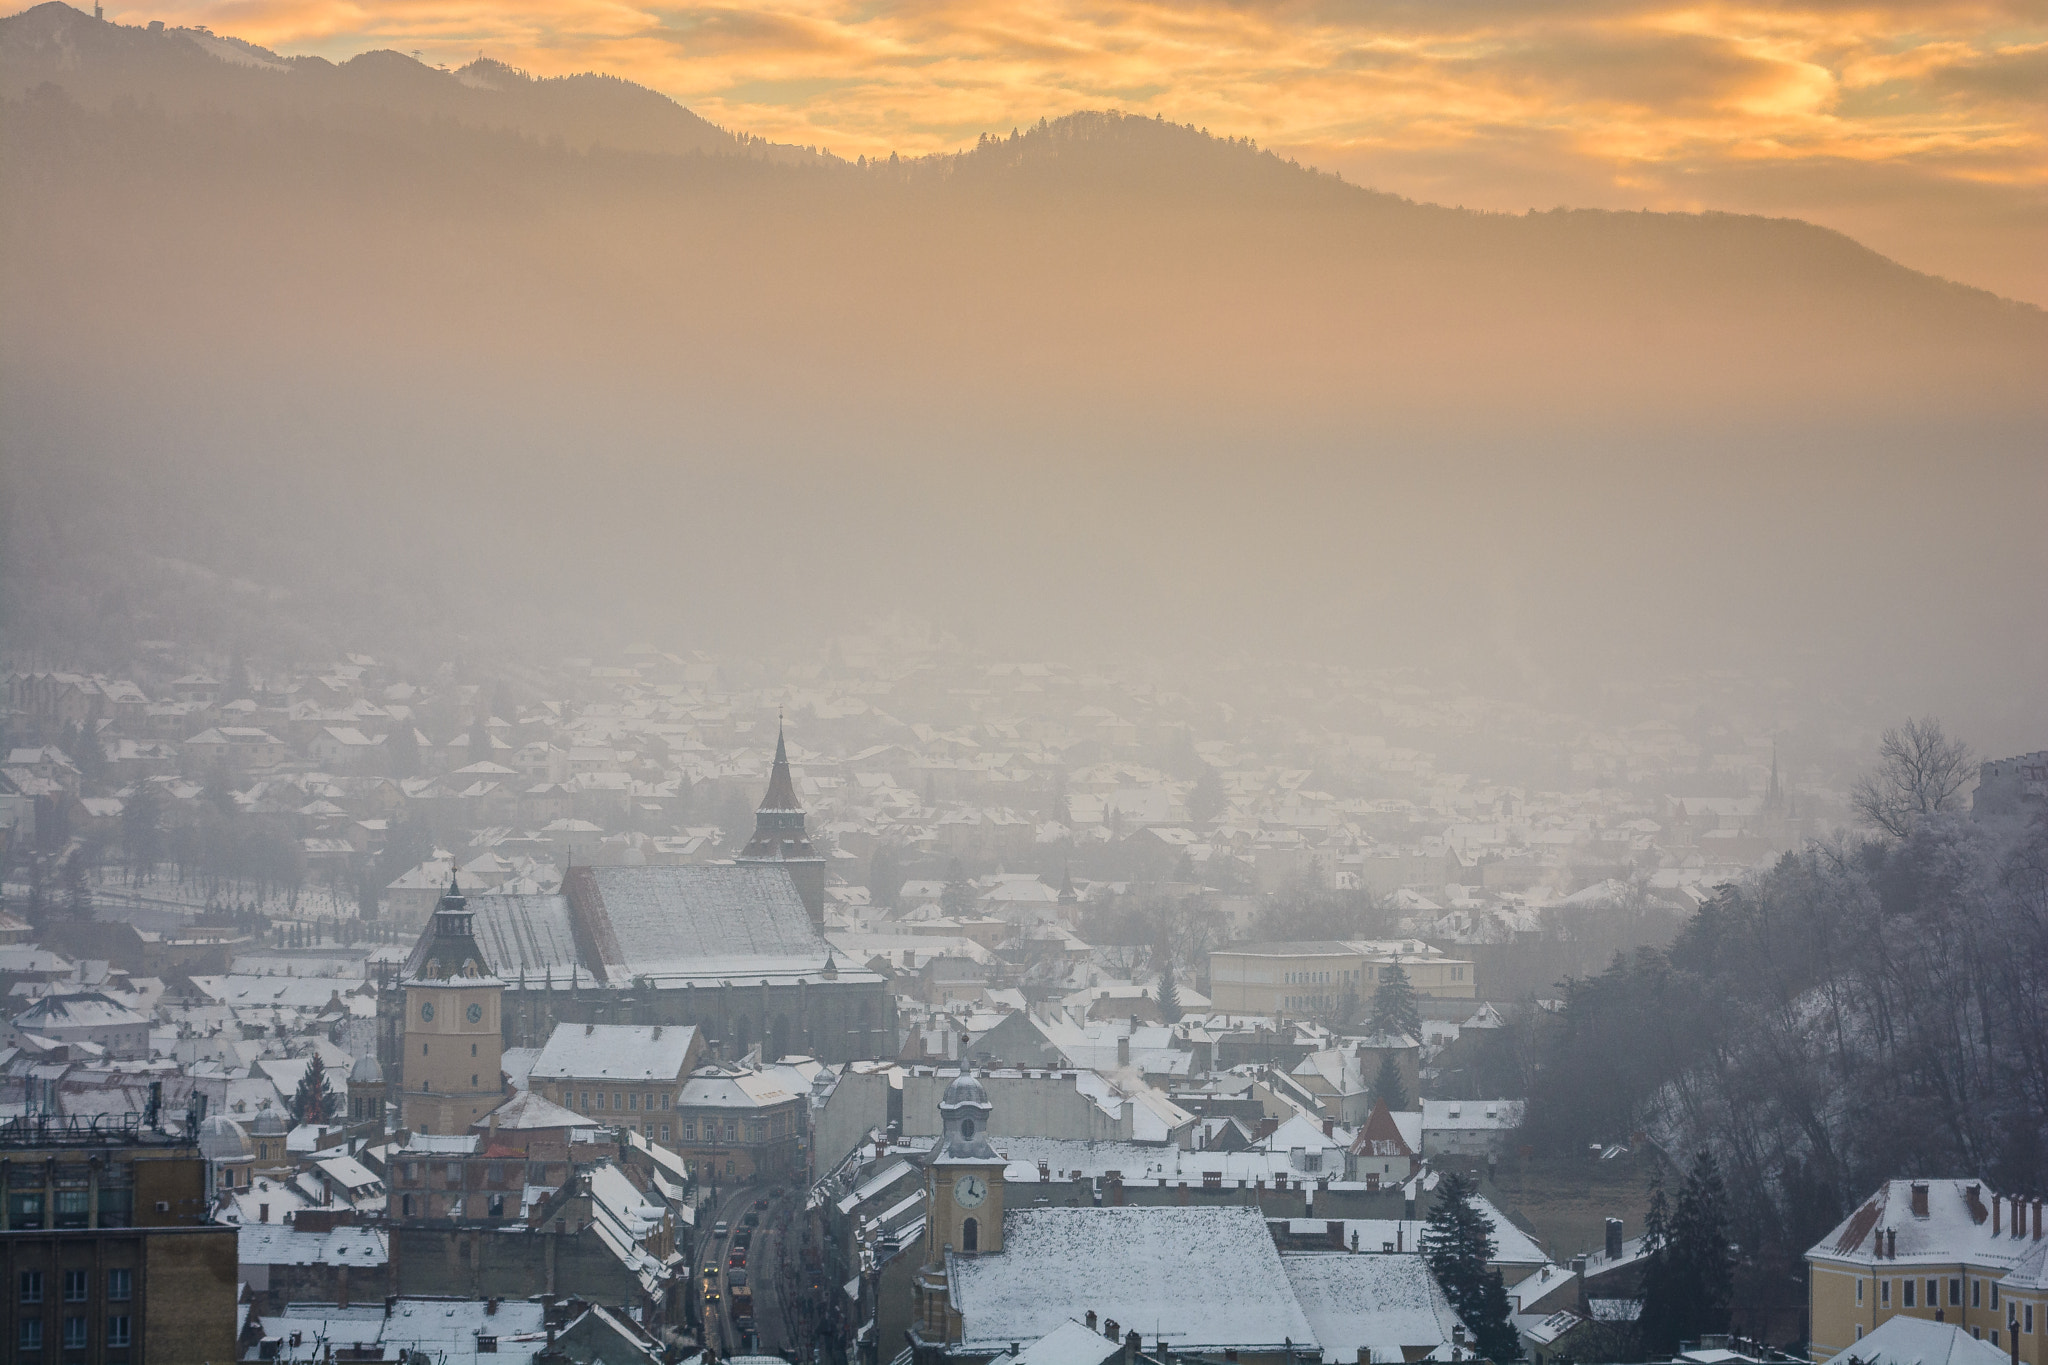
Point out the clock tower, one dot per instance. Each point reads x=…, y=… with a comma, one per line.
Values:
x=453, y=1048
x=963, y=1208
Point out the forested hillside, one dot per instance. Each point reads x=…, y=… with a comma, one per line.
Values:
x=1862, y=1012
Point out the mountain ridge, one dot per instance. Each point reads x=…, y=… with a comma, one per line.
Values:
x=99, y=63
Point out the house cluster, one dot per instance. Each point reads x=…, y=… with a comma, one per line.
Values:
x=451, y=1013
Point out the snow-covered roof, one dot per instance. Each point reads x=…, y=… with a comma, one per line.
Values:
x=1907, y=1340
x=281, y=1244
x=1390, y=1304
x=1070, y=1343
x=615, y=1051
x=1209, y=1278
x=1927, y=1221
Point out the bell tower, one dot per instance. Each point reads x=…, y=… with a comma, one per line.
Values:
x=963, y=1208
x=453, y=1052
x=781, y=841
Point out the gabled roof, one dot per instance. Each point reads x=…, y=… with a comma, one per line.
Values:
x=1210, y=1278
x=1381, y=1136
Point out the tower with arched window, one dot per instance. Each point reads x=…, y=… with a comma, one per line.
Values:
x=964, y=1200
x=453, y=1051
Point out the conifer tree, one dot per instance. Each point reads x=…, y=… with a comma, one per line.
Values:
x=311, y=1102
x=1169, y=998
x=1457, y=1243
x=1388, y=1085
x=1393, y=1005
x=1688, y=1278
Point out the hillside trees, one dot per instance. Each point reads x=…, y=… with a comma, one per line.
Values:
x=1920, y=772
x=1859, y=1012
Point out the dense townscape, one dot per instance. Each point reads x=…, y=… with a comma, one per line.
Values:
x=913, y=1006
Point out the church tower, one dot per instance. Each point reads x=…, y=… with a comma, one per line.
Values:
x=963, y=1208
x=780, y=841
x=453, y=1050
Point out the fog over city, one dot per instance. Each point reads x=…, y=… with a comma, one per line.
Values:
x=1138, y=748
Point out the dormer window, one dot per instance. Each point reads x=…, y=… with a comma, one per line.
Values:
x=967, y=1128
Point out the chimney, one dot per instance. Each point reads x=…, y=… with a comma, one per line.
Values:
x=1579, y=1273
x=1329, y=1127
x=1134, y=1346
x=1091, y=1319
x=589, y=1029
x=1997, y=1212
x=1614, y=1239
x=1123, y=1050
x=2037, y=1220
x=1920, y=1199
x=1891, y=1244
x=263, y=1213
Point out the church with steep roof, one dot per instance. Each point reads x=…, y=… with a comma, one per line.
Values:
x=736, y=950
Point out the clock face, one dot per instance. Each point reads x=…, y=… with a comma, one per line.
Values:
x=476, y=1013
x=969, y=1191
x=427, y=1010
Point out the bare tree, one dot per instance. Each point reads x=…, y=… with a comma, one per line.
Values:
x=1919, y=771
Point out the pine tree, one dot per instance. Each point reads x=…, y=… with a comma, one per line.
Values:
x=1388, y=1084
x=1169, y=998
x=1457, y=1242
x=77, y=889
x=1688, y=1278
x=1393, y=1005
x=958, y=894
x=311, y=1102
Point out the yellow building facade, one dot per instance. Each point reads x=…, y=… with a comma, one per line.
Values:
x=1942, y=1250
x=1311, y=978
x=453, y=1051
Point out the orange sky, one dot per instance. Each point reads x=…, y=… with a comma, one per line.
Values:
x=1918, y=126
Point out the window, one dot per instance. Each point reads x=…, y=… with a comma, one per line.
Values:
x=31, y=1286
x=664, y=1132
x=1933, y=1292
x=1976, y=1293
x=497, y=1206
x=600, y=1099
x=1955, y=1292
x=74, y=1286
x=1884, y=1293
x=120, y=1285
x=423, y=1049
x=117, y=1330
x=1994, y=1296
x=664, y=1101
x=74, y=1334
x=454, y=1175
x=24, y=1211
x=73, y=1208
x=407, y=1201
x=1906, y=1287
x=472, y=1049
x=615, y=1100
x=2027, y=1321
x=689, y=1130
x=584, y=1103
x=31, y=1336
x=495, y=1173
x=970, y=1235
x=633, y=1101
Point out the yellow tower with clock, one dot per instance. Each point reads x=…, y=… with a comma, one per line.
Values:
x=454, y=1049
x=963, y=1208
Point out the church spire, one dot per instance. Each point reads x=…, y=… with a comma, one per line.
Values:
x=781, y=797
x=780, y=838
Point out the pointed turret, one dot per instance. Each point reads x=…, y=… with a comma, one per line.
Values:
x=780, y=839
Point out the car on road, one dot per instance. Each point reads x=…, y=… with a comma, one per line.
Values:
x=738, y=1258
x=720, y=1228
x=752, y=1220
